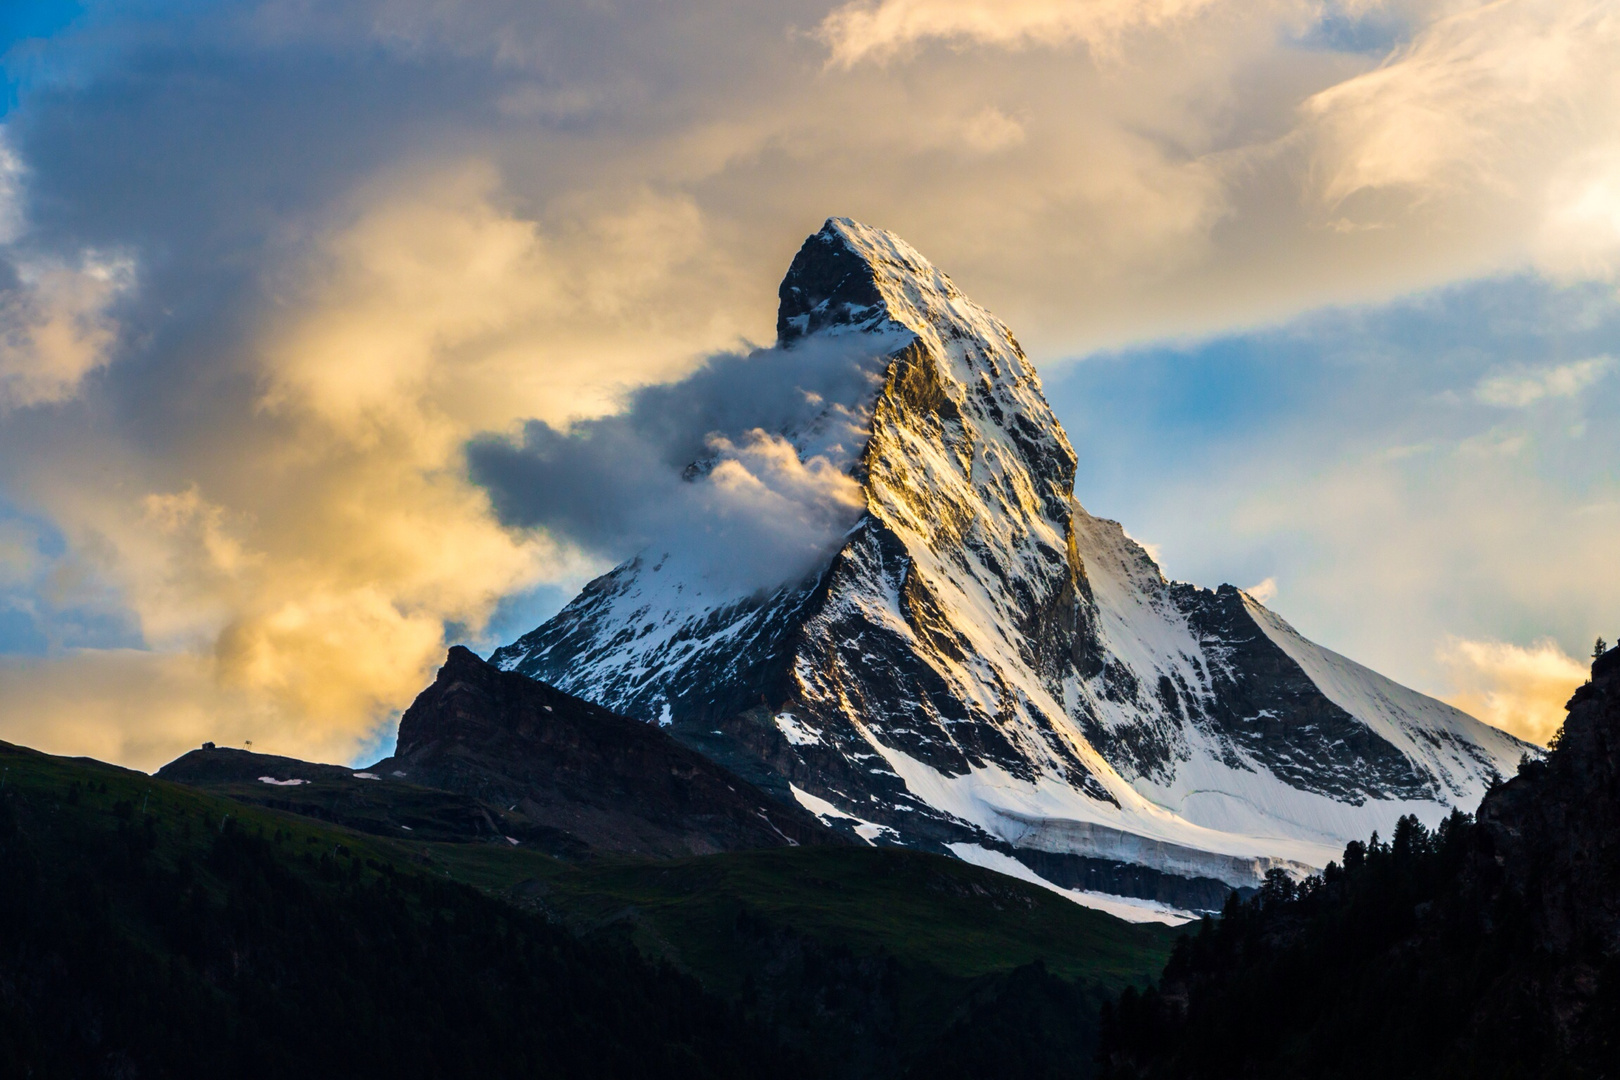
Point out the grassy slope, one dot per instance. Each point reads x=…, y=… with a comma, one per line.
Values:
x=148, y=930
x=875, y=951
x=835, y=946
x=925, y=910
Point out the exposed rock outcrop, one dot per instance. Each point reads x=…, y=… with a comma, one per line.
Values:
x=617, y=785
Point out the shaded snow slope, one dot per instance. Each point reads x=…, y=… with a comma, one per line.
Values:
x=982, y=662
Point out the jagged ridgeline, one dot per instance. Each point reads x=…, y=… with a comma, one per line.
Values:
x=979, y=665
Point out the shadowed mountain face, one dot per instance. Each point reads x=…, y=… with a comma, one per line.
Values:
x=614, y=784
x=484, y=755
x=984, y=667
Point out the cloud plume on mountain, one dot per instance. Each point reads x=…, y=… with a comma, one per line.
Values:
x=743, y=465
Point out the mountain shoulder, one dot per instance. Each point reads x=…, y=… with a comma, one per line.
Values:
x=617, y=784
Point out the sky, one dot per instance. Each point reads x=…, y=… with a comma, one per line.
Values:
x=1327, y=295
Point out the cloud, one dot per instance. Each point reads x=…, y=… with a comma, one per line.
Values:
x=307, y=549
x=55, y=327
x=1580, y=233
x=741, y=469
x=435, y=291
x=777, y=512
x=990, y=130
x=1171, y=185
x=1562, y=381
x=1520, y=690
x=11, y=192
x=1507, y=108
x=1265, y=592
x=864, y=30
x=20, y=559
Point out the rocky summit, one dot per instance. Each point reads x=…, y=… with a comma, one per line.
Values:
x=980, y=666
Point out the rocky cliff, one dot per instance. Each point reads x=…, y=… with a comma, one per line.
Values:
x=613, y=784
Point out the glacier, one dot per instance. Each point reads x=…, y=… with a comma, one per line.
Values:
x=977, y=664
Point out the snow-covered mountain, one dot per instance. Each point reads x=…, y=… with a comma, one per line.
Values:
x=982, y=666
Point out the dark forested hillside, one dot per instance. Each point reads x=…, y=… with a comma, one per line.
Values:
x=150, y=929
x=1487, y=948
x=155, y=937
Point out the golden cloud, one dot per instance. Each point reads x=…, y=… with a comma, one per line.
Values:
x=1512, y=106
x=1520, y=690
x=294, y=584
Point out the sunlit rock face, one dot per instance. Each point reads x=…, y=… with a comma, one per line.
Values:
x=980, y=665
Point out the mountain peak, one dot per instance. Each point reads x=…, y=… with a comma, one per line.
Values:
x=979, y=665
x=854, y=275
x=830, y=283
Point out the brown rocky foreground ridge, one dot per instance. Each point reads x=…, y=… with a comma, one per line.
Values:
x=614, y=783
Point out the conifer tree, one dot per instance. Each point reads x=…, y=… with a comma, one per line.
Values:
x=1600, y=648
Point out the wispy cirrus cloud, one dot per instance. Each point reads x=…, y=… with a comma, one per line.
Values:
x=1510, y=107
x=1522, y=389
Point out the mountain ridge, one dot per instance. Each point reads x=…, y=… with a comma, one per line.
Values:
x=614, y=783
x=980, y=665
x=487, y=756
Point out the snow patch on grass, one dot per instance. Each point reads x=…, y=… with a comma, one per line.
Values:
x=1129, y=908
x=869, y=831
